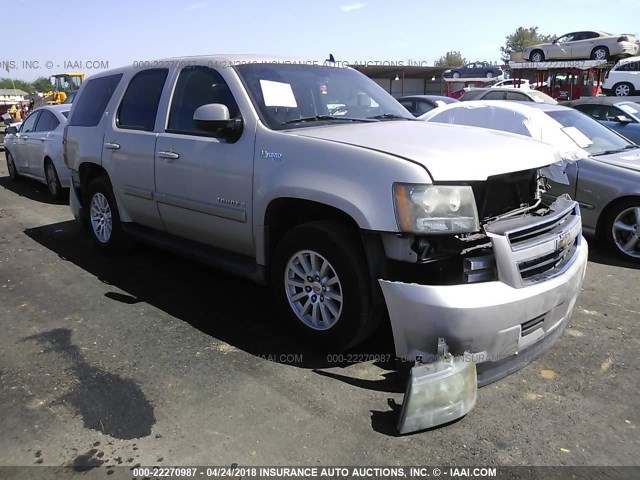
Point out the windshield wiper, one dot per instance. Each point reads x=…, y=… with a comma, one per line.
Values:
x=390, y=116
x=619, y=150
x=323, y=118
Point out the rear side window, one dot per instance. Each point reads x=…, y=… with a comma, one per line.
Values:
x=140, y=103
x=519, y=97
x=47, y=122
x=494, y=96
x=90, y=106
x=198, y=86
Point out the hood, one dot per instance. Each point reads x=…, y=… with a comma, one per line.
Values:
x=629, y=159
x=448, y=152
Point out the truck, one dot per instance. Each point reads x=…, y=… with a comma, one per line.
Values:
x=354, y=215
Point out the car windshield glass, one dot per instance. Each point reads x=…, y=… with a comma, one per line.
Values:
x=632, y=109
x=65, y=114
x=313, y=94
x=602, y=139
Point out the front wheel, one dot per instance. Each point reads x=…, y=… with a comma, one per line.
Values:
x=537, y=56
x=455, y=75
x=321, y=284
x=623, y=229
x=104, y=220
x=489, y=74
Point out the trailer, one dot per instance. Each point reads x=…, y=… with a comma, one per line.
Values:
x=564, y=80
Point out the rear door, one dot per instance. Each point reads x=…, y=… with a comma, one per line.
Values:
x=129, y=146
x=37, y=144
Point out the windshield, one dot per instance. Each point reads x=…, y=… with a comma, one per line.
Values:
x=631, y=110
x=601, y=140
x=541, y=97
x=291, y=96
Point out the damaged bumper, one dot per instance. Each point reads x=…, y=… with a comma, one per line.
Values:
x=501, y=326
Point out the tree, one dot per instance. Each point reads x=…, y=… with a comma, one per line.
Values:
x=42, y=84
x=17, y=84
x=521, y=39
x=450, y=59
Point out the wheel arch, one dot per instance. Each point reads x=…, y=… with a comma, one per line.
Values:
x=283, y=214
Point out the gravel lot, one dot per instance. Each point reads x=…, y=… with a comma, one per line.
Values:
x=152, y=359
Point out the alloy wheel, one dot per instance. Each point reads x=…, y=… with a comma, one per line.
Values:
x=313, y=290
x=101, y=219
x=626, y=231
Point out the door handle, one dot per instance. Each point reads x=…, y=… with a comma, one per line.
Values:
x=111, y=146
x=169, y=155
x=42, y=139
x=26, y=137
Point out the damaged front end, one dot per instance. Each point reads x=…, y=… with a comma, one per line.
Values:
x=492, y=294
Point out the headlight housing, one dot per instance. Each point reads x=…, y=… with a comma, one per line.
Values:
x=435, y=209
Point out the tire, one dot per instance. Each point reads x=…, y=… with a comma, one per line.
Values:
x=622, y=229
x=536, y=56
x=11, y=167
x=489, y=74
x=327, y=302
x=53, y=182
x=622, y=89
x=455, y=75
x=103, y=219
x=600, y=53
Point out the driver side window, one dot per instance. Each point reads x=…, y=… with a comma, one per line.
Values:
x=198, y=86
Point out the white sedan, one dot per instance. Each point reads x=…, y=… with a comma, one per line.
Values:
x=512, y=83
x=34, y=149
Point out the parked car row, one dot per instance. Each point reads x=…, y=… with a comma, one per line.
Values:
x=603, y=169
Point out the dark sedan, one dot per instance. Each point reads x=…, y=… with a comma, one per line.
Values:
x=622, y=116
x=421, y=104
x=474, y=70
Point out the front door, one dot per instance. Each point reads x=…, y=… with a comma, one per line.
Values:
x=204, y=182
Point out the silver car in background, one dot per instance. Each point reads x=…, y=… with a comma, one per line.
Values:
x=603, y=168
x=34, y=149
x=591, y=44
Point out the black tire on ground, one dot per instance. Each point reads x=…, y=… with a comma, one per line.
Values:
x=340, y=246
x=622, y=89
x=11, y=166
x=537, y=56
x=103, y=219
x=600, y=53
x=53, y=182
x=627, y=213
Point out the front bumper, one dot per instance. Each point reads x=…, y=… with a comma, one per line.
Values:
x=492, y=321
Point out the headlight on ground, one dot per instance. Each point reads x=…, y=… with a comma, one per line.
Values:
x=435, y=209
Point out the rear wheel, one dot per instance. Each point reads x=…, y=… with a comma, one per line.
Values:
x=537, y=56
x=11, y=166
x=104, y=220
x=455, y=75
x=53, y=182
x=623, y=89
x=600, y=53
x=622, y=229
x=321, y=282
x=489, y=74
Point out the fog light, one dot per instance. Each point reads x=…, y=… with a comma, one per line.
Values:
x=438, y=393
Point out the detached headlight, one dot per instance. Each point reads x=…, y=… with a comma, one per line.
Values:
x=435, y=209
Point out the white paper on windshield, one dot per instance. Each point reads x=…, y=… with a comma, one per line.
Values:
x=577, y=136
x=277, y=94
x=628, y=108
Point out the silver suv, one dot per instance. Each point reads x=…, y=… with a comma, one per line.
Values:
x=313, y=179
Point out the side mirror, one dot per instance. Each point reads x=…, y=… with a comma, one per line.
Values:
x=215, y=116
x=12, y=130
x=623, y=119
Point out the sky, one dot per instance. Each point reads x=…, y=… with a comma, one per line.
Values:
x=89, y=36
